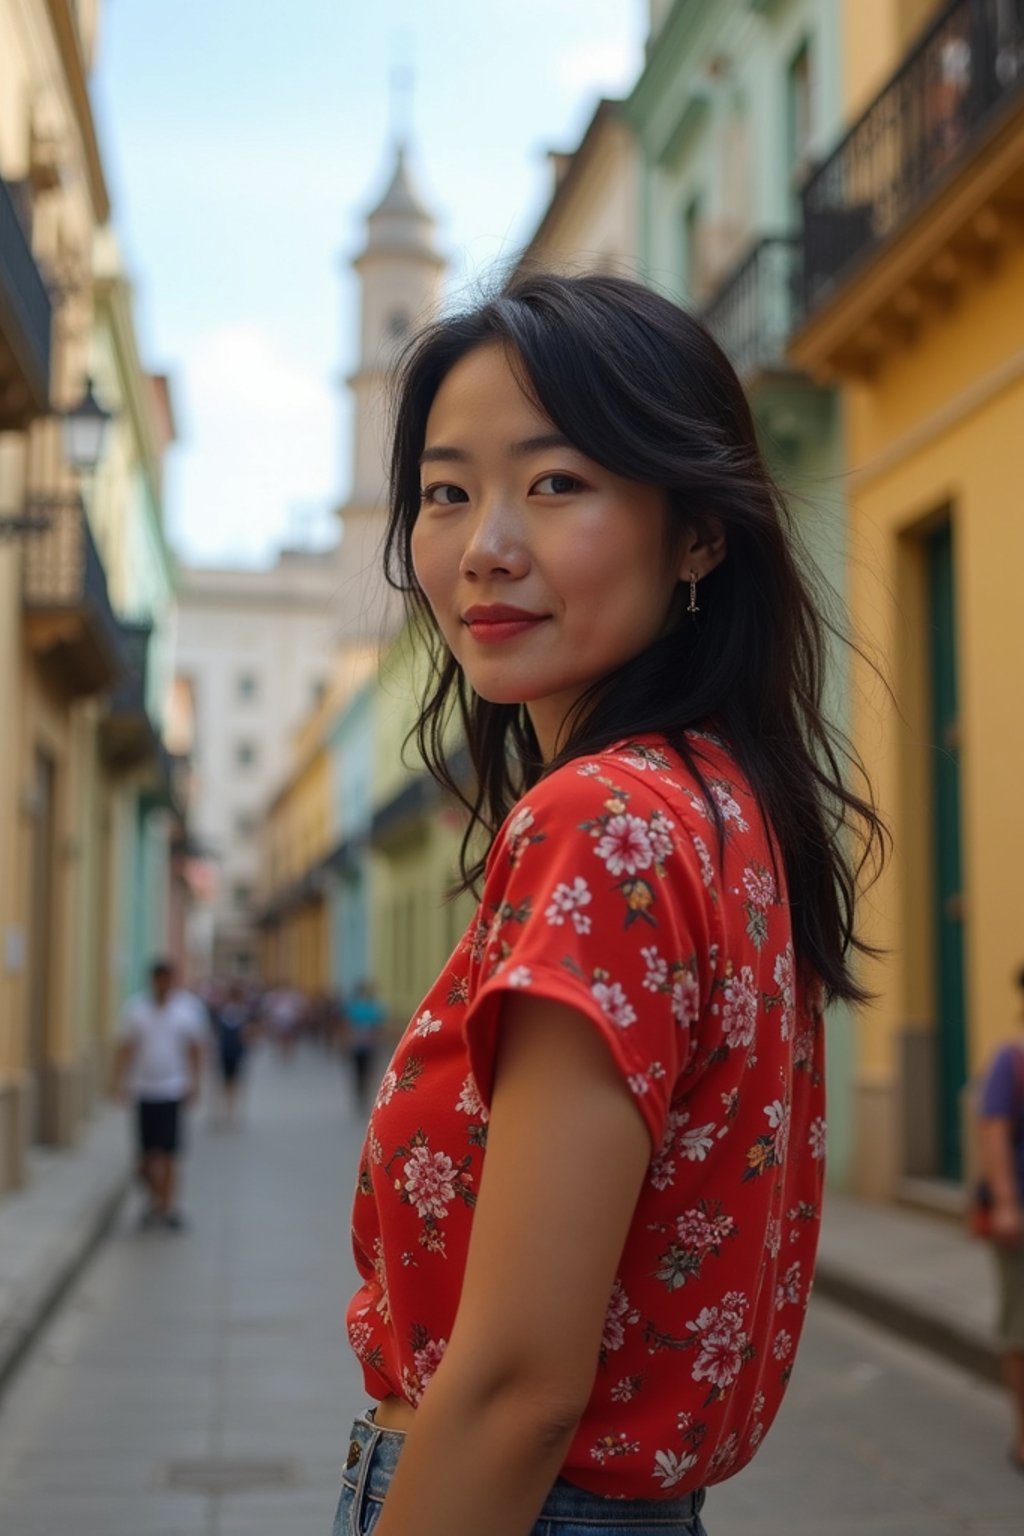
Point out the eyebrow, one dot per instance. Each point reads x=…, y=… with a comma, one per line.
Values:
x=520, y=450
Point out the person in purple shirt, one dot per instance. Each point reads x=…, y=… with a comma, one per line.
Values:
x=1002, y=1156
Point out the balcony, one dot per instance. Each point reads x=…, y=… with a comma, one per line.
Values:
x=24, y=323
x=126, y=730
x=751, y=314
x=69, y=623
x=920, y=194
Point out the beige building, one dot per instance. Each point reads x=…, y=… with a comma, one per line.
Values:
x=592, y=219
x=72, y=695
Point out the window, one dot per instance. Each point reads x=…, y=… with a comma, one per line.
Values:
x=247, y=686
x=245, y=754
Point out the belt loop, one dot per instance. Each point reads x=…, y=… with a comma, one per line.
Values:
x=356, y=1519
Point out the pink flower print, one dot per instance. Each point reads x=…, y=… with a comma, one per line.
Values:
x=470, y=1102
x=427, y=1360
x=386, y=1091
x=359, y=1336
x=739, y=1009
x=589, y=770
x=699, y=1233
x=722, y=1342
x=773, y=1237
x=618, y=1315
x=726, y=1454
x=759, y=885
x=625, y=846
x=784, y=975
x=782, y=1345
x=685, y=999
x=816, y=1138
x=430, y=1182
x=566, y=900
x=660, y=833
x=614, y=1003
x=520, y=976
x=789, y=1291
x=426, y=1024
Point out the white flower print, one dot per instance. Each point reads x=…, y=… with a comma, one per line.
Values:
x=685, y=999
x=521, y=822
x=661, y=830
x=782, y=1347
x=707, y=868
x=359, y=1336
x=784, y=975
x=657, y=969
x=386, y=1091
x=726, y=1454
x=759, y=885
x=470, y=1102
x=773, y=1237
x=520, y=976
x=722, y=1341
x=426, y=1024
x=614, y=1003
x=430, y=1181
x=625, y=846
x=588, y=770
x=778, y=1120
x=789, y=1290
x=618, y=1315
x=739, y=1010
x=567, y=900
x=816, y=1138
x=669, y=1469
x=696, y=1143
x=729, y=807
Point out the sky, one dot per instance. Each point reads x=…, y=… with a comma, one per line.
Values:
x=245, y=141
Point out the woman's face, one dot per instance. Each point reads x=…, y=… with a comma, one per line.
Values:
x=544, y=570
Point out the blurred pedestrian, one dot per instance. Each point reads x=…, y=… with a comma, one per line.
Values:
x=283, y=1010
x=587, y=1209
x=158, y=1066
x=232, y=1020
x=364, y=1016
x=1002, y=1161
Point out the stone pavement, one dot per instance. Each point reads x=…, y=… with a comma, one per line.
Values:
x=201, y=1383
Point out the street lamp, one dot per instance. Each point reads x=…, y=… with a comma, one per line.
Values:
x=83, y=430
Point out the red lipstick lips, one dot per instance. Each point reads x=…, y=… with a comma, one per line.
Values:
x=498, y=621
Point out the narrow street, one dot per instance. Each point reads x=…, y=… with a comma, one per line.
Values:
x=201, y=1383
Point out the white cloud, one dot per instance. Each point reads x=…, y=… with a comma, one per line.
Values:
x=260, y=431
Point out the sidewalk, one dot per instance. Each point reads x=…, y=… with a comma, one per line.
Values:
x=914, y=1273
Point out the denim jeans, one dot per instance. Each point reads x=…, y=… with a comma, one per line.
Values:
x=568, y=1511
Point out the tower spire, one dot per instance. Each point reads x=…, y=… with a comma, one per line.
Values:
x=402, y=85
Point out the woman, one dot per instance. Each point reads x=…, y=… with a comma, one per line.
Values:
x=589, y=1197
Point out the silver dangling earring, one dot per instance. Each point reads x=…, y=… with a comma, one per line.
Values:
x=693, y=594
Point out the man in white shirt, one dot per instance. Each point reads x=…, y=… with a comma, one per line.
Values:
x=159, y=1067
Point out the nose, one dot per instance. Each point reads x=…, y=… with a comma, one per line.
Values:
x=496, y=544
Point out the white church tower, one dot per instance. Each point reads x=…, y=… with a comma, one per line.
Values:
x=400, y=271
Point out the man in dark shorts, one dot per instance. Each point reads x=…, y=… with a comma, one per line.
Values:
x=159, y=1067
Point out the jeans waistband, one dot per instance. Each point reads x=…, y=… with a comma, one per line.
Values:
x=373, y=1456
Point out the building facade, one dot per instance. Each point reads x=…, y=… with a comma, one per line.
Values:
x=77, y=618
x=913, y=236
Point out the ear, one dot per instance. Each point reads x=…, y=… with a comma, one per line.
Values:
x=702, y=549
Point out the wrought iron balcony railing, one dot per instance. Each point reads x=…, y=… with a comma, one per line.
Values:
x=752, y=313
x=25, y=316
x=955, y=84
x=67, y=606
x=128, y=733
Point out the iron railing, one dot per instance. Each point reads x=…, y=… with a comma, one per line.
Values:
x=129, y=696
x=25, y=309
x=955, y=83
x=63, y=572
x=752, y=313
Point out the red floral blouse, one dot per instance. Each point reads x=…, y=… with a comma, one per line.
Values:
x=605, y=890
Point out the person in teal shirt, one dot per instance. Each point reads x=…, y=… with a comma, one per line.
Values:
x=364, y=1019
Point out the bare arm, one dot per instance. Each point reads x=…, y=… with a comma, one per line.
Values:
x=996, y=1142
x=567, y=1151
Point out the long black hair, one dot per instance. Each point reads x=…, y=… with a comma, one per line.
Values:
x=640, y=387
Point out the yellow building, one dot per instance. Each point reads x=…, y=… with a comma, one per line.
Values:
x=914, y=304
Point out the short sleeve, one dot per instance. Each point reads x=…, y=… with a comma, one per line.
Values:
x=1001, y=1094
x=594, y=898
